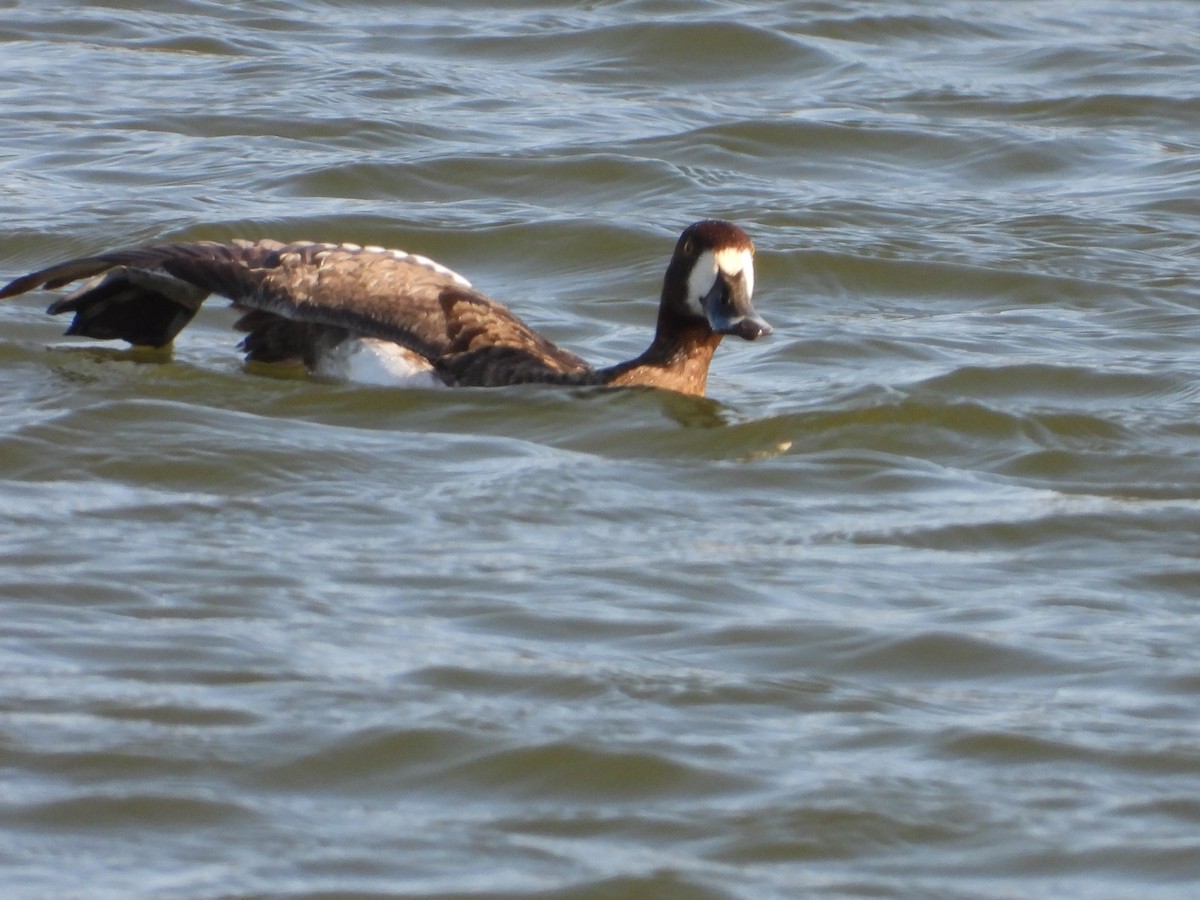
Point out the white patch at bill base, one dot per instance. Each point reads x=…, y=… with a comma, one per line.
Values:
x=730, y=261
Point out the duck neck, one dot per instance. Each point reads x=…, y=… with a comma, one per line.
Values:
x=676, y=360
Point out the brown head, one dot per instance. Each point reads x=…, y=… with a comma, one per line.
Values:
x=706, y=294
x=710, y=280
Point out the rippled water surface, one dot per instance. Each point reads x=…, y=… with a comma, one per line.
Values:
x=907, y=608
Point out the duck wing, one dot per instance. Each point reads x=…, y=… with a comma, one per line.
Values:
x=148, y=295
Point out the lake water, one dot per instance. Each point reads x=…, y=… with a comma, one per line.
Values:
x=907, y=608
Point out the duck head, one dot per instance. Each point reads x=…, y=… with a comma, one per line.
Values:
x=711, y=278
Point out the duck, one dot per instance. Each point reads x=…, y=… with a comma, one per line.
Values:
x=375, y=314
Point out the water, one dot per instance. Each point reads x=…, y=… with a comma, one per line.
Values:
x=907, y=608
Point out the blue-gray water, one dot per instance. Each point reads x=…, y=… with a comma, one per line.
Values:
x=909, y=609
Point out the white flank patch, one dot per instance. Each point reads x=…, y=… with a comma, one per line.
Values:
x=372, y=361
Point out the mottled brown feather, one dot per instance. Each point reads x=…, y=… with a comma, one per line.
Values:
x=301, y=299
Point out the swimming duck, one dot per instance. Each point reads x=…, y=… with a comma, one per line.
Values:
x=346, y=310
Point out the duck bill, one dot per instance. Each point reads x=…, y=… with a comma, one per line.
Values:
x=729, y=310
